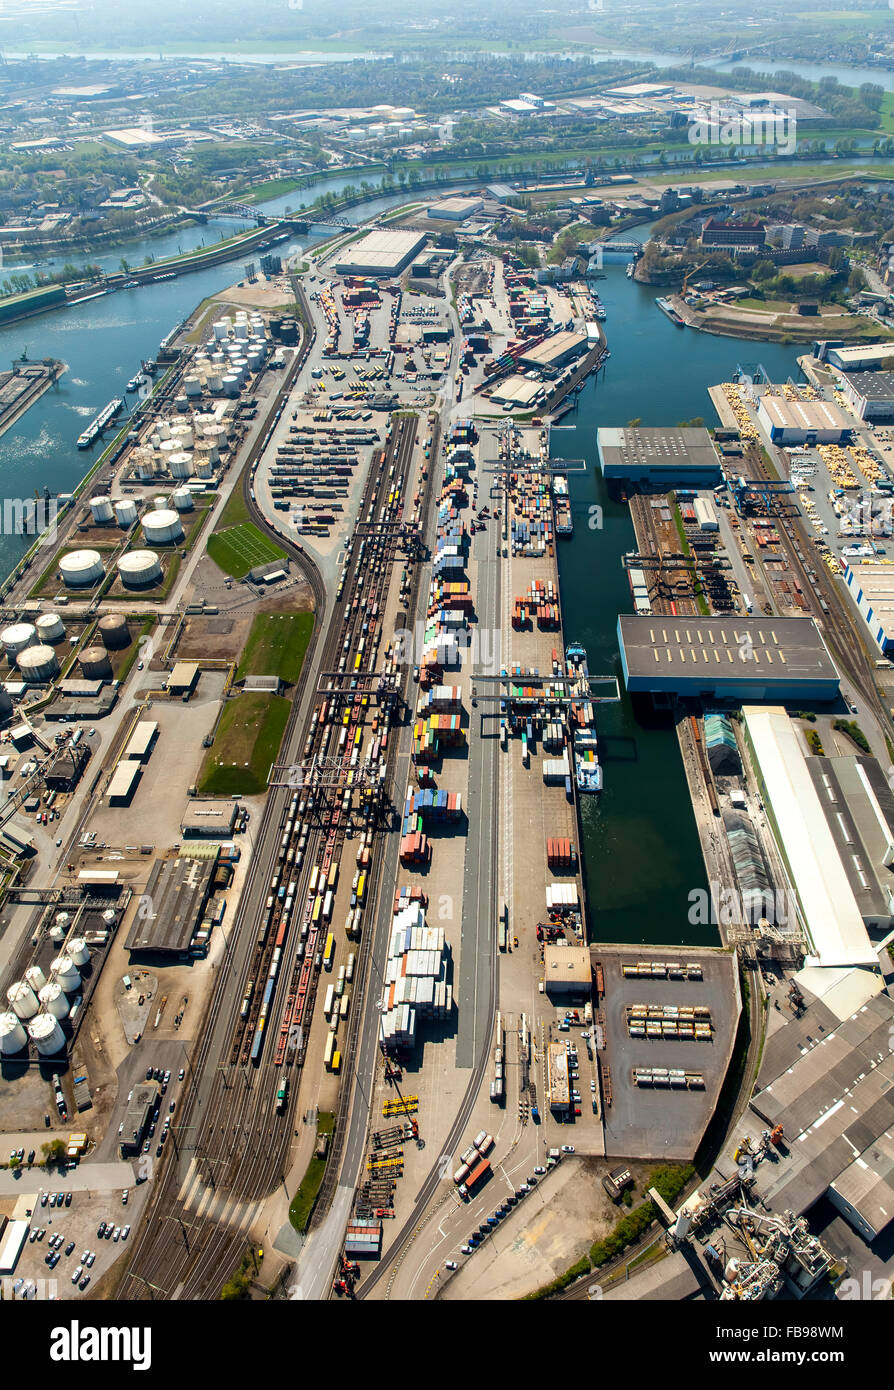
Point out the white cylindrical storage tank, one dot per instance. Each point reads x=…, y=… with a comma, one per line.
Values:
x=35, y=977
x=163, y=429
x=218, y=358
x=62, y=920
x=231, y=384
x=126, y=512
x=38, y=664
x=183, y=499
x=17, y=637
x=139, y=568
x=241, y=329
x=109, y=916
x=50, y=627
x=80, y=568
x=204, y=468
x=12, y=1035
x=22, y=999
x=57, y=935
x=102, y=509
x=159, y=503
x=64, y=970
x=215, y=382
x=181, y=465
x=168, y=447
x=113, y=631
x=183, y=435
x=255, y=359
x=221, y=330
x=46, y=1034
x=78, y=951
x=161, y=527
x=192, y=386
x=52, y=998
x=95, y=664
x=181, y=403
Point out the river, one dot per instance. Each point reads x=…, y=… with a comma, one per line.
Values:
x=640, y=849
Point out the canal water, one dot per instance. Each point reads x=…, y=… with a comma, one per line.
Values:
x=640, y=849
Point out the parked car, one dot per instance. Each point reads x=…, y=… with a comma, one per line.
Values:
x=69, y=1247
x=567, y=1148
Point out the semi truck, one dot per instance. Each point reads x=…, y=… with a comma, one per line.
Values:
x=475, y=1174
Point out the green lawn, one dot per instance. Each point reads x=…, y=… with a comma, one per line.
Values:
x=239, y=548
x=276, y=646
x=246, y=742
x=302, y=1203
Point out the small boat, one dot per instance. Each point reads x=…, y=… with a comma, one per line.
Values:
x=631, y=270
x=136, y=382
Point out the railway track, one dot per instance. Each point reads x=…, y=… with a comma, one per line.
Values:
x=241, y=1146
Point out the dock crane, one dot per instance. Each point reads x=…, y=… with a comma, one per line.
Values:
x=690, y=274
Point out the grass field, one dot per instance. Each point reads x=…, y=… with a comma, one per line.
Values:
x=245, y=743
x=238, y=549
x=276, y=646
x=303, y=1202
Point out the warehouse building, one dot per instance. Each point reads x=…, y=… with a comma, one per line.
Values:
x=870, y=395
x=124, y=782
x=828, y=1079
x=518, y=392
x=142, y=741
x=662, y=458
x=136, y=1117
x=172, y=906
x=554, y=353
x=456, y=209
x=863, y=358
x=803, y=422
x=824, y=900
x=859, y=808
x=183, y=678
x=732, y=658
x=872, y=589
x=67, y=768
x=567, y=972
x=380, y=253
x=209, y=820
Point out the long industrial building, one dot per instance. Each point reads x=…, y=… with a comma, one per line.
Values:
x=665, y=458
x=872, y=589
x=176, y=895
x=380, y=253
x=826, y=906
x=727, y=657
x=554, y=352
x=803, y=422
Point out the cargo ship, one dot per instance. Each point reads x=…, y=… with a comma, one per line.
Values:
x=96, y=427
x=587, y=768
x=562, y=506
x=598, y=308
x=631, y=270
x=668, y=308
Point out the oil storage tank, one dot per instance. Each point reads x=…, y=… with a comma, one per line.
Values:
x=38, y=664
x=65, y=971
x=113, y=631
x=35, y=977
x=50, y=628
x=181, y=465
x=12, y=1035
x=17, y=637
x=139, y=569
x=52, y=998
x=78, y=951
x=183, y=499
x=45, y=1033
x=102, y=510
x=81, y=568
x=22, y=999
x=95, y=664
x=162, y=527
x=126, y=512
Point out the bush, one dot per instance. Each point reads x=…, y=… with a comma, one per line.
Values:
x=853, y=731
x=814, y=743
x=581, y=1267
x=807, y=714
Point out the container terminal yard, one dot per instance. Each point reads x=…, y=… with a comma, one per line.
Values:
x=291, y=672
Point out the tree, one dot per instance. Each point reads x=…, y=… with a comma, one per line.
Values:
x=53, y=1152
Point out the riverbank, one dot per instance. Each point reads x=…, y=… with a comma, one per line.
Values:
x=777, y=325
